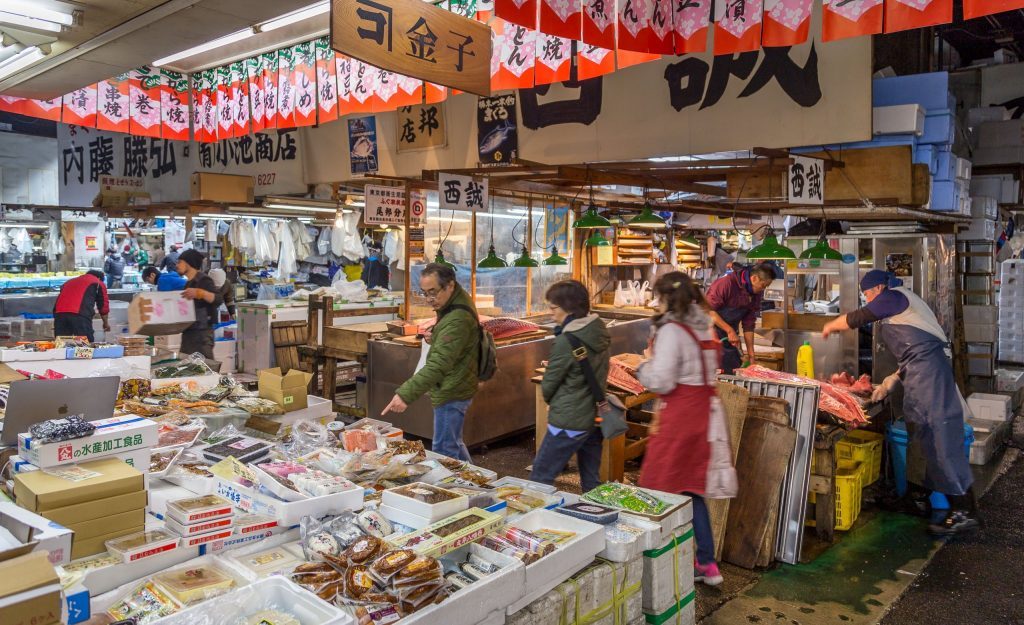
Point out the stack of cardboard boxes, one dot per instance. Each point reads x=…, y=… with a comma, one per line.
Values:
x=98, y=500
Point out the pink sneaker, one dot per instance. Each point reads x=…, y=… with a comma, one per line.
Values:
x=707, y=573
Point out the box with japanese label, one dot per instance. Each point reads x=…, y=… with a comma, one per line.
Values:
x=117, y=435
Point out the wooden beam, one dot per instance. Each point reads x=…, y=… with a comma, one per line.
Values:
x=591, y=176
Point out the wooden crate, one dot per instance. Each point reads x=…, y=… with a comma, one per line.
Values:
x=353, y=338
x=771, y=320
x=287, y=336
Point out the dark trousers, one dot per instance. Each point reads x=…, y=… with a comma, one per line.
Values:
x=70, y=324
x=200, y=341
x=557, y=449
x=702, y=534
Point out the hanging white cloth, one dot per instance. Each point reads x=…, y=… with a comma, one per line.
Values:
x=302, y=239
x=21, y=239
x=267, y=249
x=338, y=240
x=394, y=247
x=323, y=242
x=286, y=262
x=352, y=246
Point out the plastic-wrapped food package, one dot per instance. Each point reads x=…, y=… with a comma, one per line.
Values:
x=67, y=428
x=258, y=406
x=190, y=366
x=359, y=440
x=306, y=437
x=627, y=498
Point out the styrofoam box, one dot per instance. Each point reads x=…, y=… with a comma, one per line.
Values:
x=990, y=407
x=983, y=207
x=981, y=314
x=571, y=556
x=525, y=484
x=404, y=517
x=1009, y=381
x=317, y=409
x=471, y=467
x=979, y=230
x=980, y=114
x=980, y=332
x=477, y=602
x=288, y=513
x=899, y=119
x=272, y=593
x=17, y=355
x=431, y=512
x=659, y=581
x=680, y=514
x=624, y=552
x=989, y=436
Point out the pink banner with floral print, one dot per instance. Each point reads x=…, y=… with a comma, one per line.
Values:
x=737, y=26
x=786, y=22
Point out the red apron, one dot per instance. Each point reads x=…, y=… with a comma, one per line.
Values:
x=677, y=457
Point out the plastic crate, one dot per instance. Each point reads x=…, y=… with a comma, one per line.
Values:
x=864, y=447
x=848, y=496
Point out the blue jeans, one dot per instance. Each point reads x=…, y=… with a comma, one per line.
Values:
x=555, y=452
x=448, y=420
x=702, y=534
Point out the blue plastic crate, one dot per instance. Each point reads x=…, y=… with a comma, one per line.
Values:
x=939, y=128
x=945, y=164
x=929, y=90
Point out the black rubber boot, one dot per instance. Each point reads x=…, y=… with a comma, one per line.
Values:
x=962, y=516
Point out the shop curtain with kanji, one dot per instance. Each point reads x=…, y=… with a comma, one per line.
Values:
x=80, y=107
x=257, y=99
x=174, y=105
x=599, y=23
x=786, y=22
x=513, y=56
x=521, y=12
x=144, y=102
x=304, y=81
x=843, y=19
x=737, y=26
x=690, y=21
x=112, y=104
x=561, y=18
x=326, y=81
x=903, y=15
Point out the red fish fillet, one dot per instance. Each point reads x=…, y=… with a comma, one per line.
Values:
x=620, y=377
x=832, y=398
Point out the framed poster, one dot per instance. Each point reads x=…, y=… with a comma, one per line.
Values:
x=362, y=144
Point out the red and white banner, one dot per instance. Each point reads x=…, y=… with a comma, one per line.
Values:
x=343, y=68
x=144, y=102
x=362, y=84
x=11, y=104
x=304, y=79
x=786, y=22
x=562, y=18
x=522, y=12
x=737, y=26
x=843, y=19
x=554, y=59
x=326, y=82
x=433, y=93
x=225, y=116
x=211, y=123
x=196, y=83
x=515, y=49
x=592, y=61
x=633, y=25
x=43, y=109
x=410, y=90
x=240, y=99
x=626, y=58
x=270, y=70
x=981, y=8
x=174, y=109
x=599, y=23
x=385, y=91
x=690, y=21
x=662, y=32
x=909, y=14
x=80, y=107
x=286, y=79
x=257, y=101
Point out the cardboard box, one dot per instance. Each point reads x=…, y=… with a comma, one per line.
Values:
x=222, y=188
x=101, y=526
x=158, y=313
x=98, y=544
x=75, y=484
x=30, y=591
x=97, y=508
x=37, y=531
x=287, y=389
x=116, y=435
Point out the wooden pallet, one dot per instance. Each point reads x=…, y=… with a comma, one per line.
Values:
x=287, y=336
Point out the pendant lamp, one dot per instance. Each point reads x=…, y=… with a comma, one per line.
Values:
x=491, y=261
x=555, y=259
x=821, y=250
x=597, y=240
x=525, y=260
x=647, y=219
x=591, y=219
x=690, y=241
x=770, y=249
x=439, y=259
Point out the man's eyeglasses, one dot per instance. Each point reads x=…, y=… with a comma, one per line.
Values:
x=431, y=294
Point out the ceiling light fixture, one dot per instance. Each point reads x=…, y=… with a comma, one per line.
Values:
x=32, y=9
x=20, y=61
x=770, y=249
x=13, y=19
x=821, y=250
x=314, y=10
x=300, y=204
x=205, y=47
x=647, y=220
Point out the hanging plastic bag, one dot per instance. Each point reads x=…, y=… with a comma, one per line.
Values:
x=623, y=295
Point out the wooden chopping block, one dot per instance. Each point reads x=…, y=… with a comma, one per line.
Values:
x=765, y=449
x=353, y=338
x=735, y=400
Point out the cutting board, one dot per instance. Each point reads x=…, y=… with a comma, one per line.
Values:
x=735, y=400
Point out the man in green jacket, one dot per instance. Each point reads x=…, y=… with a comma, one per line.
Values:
x=450, y=372
x=572, y=410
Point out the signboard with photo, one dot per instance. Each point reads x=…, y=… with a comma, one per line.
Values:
x=362, y=144
x=497, y=133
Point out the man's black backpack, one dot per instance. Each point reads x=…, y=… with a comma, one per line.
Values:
x=487, y=365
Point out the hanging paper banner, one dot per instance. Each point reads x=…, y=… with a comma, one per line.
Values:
x=11, y=104
x=432, y=93
x=174, y=100
x=43, y=109
x=270, y=89
x=690, y=21
x=599, y=23
x=842, y=19
x=633, y=25
x=554, y=59
x=80, y=107
x=326, y=82
x=593, y=61
x=786, y=22
x=144, y=102
x=662, y=32
x=211, y=123
x=362, y=84
x=240, y=99
x=304, y=79
x=112, y=104
x=343, y=68
x=626, y=58
x=196, y=82
x=518, y=58
x=385, y=88
x=257, y=101
x=496, y=130
x=562, y=18
x=737, y=26
x=521, y=12
x=981, y=8
x=909, y=14
x=286, y=80
x=225, y=117
x=410, y=91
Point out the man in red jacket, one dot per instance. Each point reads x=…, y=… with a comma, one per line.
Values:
x=78, y=298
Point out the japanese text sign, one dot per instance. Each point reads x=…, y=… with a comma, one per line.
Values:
x=417, y=39
x=421, y=126
x=461, y=192
x=806, y=181
x=384, y=205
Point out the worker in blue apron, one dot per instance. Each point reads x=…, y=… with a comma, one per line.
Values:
x=735, y=299
x=932, y=403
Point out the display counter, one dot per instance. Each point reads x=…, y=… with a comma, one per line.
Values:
x=14, y=304
x=504, y=405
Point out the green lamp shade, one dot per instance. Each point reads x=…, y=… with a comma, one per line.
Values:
x=555, y=259
x=491, y=261
x=770, y=250
x=524, y=260
x=647, y=219
x=591, y=219
x=821, y=250
x=439, y=259
x=690, y=241
x=597, y=240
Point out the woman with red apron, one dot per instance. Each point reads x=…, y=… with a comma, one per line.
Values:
x=688, y=451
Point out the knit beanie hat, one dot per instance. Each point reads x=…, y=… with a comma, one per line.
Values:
x=192, y=258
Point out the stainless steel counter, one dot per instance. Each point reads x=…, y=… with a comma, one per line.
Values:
x=504, y=405
x=13, y=304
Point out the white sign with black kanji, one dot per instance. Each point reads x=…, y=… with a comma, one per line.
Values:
x=806, y=181
x=384, y=205
x=462, y=192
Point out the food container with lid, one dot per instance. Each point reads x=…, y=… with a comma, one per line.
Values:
x=142, y=544
x=199, y=509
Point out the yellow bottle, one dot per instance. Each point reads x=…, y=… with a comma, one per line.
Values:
x=805, y=361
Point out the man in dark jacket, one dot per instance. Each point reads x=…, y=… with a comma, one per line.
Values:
x=572, y=409
x=735, y=299
x=198, y=337
x=450, y=373
x=170, y=262
x=78, y=298
x=113, y=266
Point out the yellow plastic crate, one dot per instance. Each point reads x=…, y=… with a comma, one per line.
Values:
x=848, y=496
x=863, y=447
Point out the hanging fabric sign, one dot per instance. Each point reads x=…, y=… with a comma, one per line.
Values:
x=842, y=19
x=362, y=145
x=196, y=82
x=12, y=104
x=286, y=88
x=211, y=123
x=257, y=102
x=593, y=61
x=786, y=22
x=43, y=109
x=521, y=12
x=737, y=26
x=326, y=82
x=599, y=23
x=384, y=205
x=80, y=107
x=343, y=68
x=225, y=118
x=385, y=90
x=304, y=79
x=270, y=88
x=690, y=21
x=981, y=8
x=517, y=57
x=461, y=192
x=361, y=83
x=144, y=103
x=496, y=130
x=626, y=58
x=174, y=109
x=434, y=93
x=112, y=104
x=634, y=26
x=661, y=26
x=554, y=59
x=240, y=99
x=421, y=126
x=909, y=14
x=562, y=18
x=410, y=91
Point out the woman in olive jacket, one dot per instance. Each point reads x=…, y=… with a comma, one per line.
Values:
x=572, y=411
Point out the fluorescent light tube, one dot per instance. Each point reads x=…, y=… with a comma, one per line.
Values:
x=20, y=61
x=302, y=14
x=28, y=22
x=205, y=47
x=30, y=9
x=299, y=207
